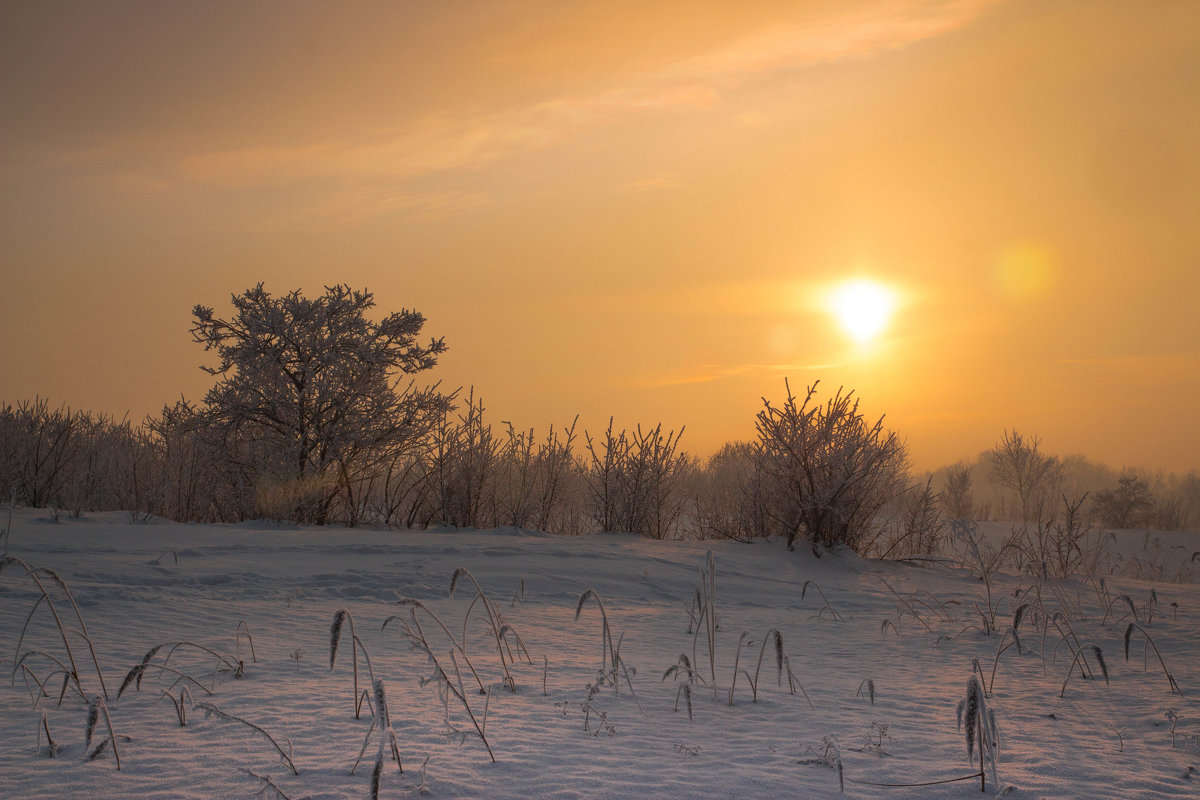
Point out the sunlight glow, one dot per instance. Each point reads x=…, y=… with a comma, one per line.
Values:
x=862, y=307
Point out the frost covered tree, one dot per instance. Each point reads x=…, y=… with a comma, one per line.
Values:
x=828, y=470
x=311, y=394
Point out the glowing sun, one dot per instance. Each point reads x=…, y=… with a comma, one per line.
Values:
x=862, y=307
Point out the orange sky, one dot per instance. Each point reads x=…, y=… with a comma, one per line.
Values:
x=629, y=208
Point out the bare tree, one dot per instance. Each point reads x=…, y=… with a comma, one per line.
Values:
x=1018, y=464
x=829, y=471
x=533, y=479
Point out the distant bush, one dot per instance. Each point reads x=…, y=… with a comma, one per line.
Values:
x=730, y=500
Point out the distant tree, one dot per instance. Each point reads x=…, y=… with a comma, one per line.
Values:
x=1018, y=464
x=534, y=478
x=828, y=470
x=956, y=497
x=311, y=393
x=1131, y=504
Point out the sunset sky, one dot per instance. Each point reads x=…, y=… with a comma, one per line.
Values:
x=640, y=209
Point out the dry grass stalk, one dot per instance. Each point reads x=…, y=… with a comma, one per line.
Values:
x=341, y=619
x=95, y=710
x=826, y=609
x=417, y=605
x=1150, y=641
x=705, y=618
x=35, y=575
x=44, y=727
x=1044, y=619
x=981, y=730
x=268, y=784
x=411, y=630
x=737, y=655
x=683, y=667
x=772, y=636
x=382, y=722
x=244, y=630
x=168, y=650
x=284, y=755
x=612, y=665
x=70, y=679
x=499, y=629
x=181, y=704
x=1008, y=639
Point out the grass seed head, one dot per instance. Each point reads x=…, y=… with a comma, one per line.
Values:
x=335, y=635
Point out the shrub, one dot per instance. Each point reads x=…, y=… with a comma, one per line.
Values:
x=827, y=470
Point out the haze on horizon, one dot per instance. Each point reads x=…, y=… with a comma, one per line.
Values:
x=630, y=209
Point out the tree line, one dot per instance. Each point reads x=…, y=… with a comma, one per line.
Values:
x=316, y=417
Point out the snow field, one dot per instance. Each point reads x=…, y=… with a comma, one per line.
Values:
x=1098, y=741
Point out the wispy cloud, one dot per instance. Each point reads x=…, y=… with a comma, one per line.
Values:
x=377, y=167
x=458, y=141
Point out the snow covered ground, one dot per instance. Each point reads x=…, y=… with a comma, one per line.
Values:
x=911, y=631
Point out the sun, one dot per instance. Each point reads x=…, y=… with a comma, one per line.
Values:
x=862, y=307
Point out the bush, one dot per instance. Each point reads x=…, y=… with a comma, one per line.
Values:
x=827, y=471
x=636, y=481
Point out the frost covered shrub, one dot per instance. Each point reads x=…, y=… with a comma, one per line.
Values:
x=636, y=481
x=463, y=456
x=38, y=446
x=537, y=482
x=827, y=470
x=463, y=474
x=956, y=497
x=75, y=461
